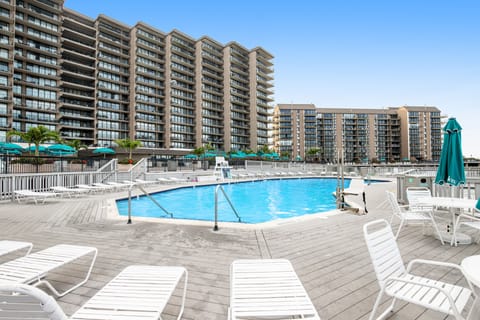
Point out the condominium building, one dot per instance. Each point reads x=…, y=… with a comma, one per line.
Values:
x=98, y=80
x=358, y=135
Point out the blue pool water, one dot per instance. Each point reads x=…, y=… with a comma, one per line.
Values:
x=255, y=202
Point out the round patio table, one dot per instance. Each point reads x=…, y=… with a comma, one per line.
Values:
x=471, y=269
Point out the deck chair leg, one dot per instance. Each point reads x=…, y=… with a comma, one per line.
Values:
x=399, y=228
x=472, y=314
x=438, y=231
x=377, y=303
x=184, y=295
x=58, y=294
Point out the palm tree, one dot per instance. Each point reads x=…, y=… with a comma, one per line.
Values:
x=312, y=152
x=76, y=144
x=198, y=151
x=130, y=145
x=36, y=136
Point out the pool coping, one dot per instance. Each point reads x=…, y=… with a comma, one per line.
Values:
x=112, y=211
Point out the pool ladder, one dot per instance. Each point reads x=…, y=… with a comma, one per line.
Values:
x=219, y=187
x=149, y=197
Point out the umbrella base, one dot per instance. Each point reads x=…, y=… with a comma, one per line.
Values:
x=462, y=238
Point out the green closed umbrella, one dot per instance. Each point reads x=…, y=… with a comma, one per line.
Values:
x=450, y=168
x=103, y=151
x=8, y=146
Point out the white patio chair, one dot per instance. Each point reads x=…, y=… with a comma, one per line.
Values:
x=409, y=217
x=35, y=267
x=8, y=246
x=415, y=196
x=268, y=289
x=399, y=283
x=467, y=219
x=35, y=196
x=138, y=292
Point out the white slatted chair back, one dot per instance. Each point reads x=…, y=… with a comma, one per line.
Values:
x=386, y=259
x=392, y=200
x=414, y=197
x=20, y=301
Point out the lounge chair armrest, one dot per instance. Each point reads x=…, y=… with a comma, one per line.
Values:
x=433, y=263
x=468, y=216
x=441, y=264
x=445, y=292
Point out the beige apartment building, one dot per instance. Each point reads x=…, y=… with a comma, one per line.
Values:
x=98, y=80
x=359, y=135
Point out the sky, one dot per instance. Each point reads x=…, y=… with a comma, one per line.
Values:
x=341, y=53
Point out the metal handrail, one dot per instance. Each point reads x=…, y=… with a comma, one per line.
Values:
x=149, y=197
x=219, y=187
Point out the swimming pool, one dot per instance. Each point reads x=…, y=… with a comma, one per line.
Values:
x=255, y=202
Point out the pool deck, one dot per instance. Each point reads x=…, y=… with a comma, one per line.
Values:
x=327, y=252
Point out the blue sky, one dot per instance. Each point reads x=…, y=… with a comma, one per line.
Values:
x=341, y=53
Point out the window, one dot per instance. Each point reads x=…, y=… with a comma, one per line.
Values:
x=3, y=81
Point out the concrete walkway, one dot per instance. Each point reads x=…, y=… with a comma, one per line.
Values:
x=327, y=252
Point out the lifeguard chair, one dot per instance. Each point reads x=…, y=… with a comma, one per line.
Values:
x=222, y=168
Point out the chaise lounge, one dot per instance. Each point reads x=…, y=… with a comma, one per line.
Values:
x=35, y=196
x=34, y=268
x=137, y=293
x=8, y=246
x=268, y=289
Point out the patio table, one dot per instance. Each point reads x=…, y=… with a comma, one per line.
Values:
x=471, y=269
x=452, y=204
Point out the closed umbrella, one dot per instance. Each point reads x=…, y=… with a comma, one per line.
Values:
x=104, y=151
x=450, y=168
x=40, y=149
x=8, y=146
x=60, y=149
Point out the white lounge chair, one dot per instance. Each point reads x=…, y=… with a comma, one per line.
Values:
x=7, y=246
x=178, y=180
x=35, y=196
x=408, y=216
x=140, y=181
x=69, y=191
x=129, y=183
x=164, y=180
x=33, y=268
x=91, y=188
x=138, y=292
x=399, y=283
x=118, y=185
x=107, y=187
x=268, y=289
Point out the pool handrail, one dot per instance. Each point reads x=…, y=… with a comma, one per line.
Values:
x=137, y=185
x=219, y=187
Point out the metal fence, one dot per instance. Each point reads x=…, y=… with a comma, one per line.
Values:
x=10, y=164
x=44, y=181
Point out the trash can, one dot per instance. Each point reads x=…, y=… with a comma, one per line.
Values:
x=414, y=181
